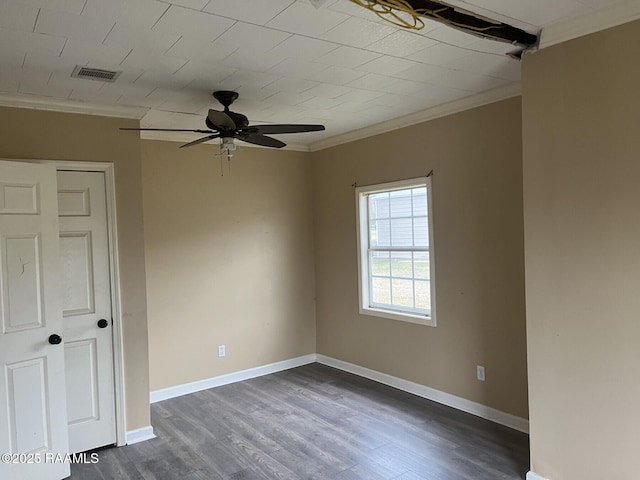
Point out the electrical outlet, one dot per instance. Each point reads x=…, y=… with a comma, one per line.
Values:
x=480, y=370
x=221, y=351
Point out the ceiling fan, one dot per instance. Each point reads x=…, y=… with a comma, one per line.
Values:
x=228, y=125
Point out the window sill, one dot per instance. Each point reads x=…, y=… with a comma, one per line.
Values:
x=429, y=321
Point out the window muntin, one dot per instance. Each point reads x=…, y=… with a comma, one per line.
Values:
x=396, y=272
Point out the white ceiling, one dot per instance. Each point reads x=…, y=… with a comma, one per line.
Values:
x=339, y=65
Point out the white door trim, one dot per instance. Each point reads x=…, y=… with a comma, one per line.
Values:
x=116, y=306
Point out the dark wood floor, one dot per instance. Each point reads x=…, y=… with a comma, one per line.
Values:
x=313, y=422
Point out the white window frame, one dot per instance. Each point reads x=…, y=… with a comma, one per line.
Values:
x=364, y=273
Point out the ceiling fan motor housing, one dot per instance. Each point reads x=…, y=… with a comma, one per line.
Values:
x=225, y=97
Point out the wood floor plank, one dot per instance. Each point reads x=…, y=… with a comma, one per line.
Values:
x=367, y=471
x=305, y=464
x=214, y=454
x=394, y=456
x=166, y=461
x=313, y=423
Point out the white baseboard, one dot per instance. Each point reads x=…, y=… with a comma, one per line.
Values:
x=444, y=398
x=534, y=476
x=140, y=435
x=185, y=389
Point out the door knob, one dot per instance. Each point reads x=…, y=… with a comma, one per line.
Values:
x=102, y=323
x=55, y=339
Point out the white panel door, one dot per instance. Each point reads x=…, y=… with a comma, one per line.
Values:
x=86, y=305
x=33, y=418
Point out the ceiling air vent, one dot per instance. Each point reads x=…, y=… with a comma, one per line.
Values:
x=95, y=74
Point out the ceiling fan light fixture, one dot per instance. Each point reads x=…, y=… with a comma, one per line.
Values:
x=227, y=143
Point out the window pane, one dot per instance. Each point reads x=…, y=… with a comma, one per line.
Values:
x=396, y=244
x=420, y=202
x=379, y=233
x=400, y=203
x=379, y=205
x=381, y=290
x=401, y=232
x=421, y=265
x=380, y=264
x=423, y=294
x=420, y=232
x=402, y=292
x=401, y=264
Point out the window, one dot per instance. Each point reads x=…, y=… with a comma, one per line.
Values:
x=395, y=251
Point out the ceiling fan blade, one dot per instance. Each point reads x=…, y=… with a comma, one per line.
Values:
x=263, y=140
x=239, y=119
x=286, y=128
x=200, y=140
x=221, y=120
x=167, y=130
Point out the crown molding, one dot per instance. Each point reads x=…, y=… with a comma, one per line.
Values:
x=443, y=110
x=608, y=17
x=137, y=113
x=185, y=137
x=34, y=102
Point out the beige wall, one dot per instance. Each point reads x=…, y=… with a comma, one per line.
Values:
x=477, y=196
x=229, y=260
x=32, y=134
x=581, y=118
